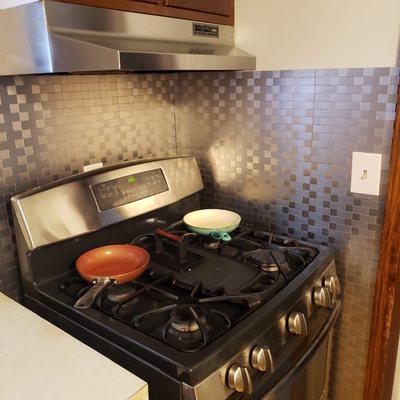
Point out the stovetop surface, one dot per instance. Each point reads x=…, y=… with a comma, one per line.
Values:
x=196, y=290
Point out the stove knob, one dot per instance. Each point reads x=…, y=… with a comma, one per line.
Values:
x=239, y=379
x=297, y=323
x=261, y=359
x=332, y=283
x=323, y=297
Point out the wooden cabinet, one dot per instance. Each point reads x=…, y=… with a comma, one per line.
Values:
x=218, y=7
x=149, y=1
x=213, y=11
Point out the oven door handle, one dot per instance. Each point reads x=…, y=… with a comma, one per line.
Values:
x=310, y=350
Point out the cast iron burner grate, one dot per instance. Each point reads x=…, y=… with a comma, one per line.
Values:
x=261, y=249
x=196, y=289
x=159, y=307
x=191, y=322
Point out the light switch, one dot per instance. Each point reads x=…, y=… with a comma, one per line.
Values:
x=366, y=173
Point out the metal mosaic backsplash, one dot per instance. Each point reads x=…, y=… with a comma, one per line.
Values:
x=50, y=126
x=277, y=147
x=274, y=146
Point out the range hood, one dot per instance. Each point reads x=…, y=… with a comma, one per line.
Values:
x=50, y=37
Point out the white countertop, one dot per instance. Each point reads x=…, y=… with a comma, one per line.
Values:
x=14, y=3
x=39, y=361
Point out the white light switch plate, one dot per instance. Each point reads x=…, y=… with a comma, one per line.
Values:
x=366, y=173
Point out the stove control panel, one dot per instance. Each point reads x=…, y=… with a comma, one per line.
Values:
x=126, y=189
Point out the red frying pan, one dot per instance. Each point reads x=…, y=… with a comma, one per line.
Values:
x=106, y=265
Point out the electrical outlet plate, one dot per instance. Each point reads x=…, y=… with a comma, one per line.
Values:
x=366, y=173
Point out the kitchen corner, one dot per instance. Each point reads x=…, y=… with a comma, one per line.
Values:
x=198, y=199
x=40, y=361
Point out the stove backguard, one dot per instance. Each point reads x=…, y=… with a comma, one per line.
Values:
x=88, y=202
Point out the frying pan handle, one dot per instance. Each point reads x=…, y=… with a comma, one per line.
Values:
x=224, y=236
x=168, y=235
x=88, y=298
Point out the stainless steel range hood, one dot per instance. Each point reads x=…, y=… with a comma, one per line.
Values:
x=49, y=36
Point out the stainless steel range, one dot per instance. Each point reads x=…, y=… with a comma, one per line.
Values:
x=250, y=318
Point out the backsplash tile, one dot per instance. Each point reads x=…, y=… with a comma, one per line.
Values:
x=285, y=163
x=50, y=126
x=274, y=146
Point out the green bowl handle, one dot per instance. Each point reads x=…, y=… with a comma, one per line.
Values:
x=224, y=236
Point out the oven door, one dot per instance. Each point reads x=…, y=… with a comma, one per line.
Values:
x=309, y=377
x=302, y=372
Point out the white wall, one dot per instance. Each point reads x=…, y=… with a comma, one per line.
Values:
x=299, y=34
x=14, y=3
x=396, y=383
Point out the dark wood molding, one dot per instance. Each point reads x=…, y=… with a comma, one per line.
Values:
x=158, y=8
x=385, y=316
x=219, y=7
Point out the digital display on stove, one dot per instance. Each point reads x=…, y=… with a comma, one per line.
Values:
x=128, y=189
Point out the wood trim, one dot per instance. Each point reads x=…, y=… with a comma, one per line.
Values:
x=150, y=1
x=158, y=9
x=385, y=316
x=220, y=7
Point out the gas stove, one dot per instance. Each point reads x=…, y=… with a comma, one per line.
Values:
x=208, y=319
x=196, y=290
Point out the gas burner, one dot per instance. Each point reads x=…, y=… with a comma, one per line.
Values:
x=185, y=326
x=206, y=242
x=263, y=258
x=284, y=241
x=270, y=268
x=187, y=316
x=75, y=287
x=305, y=252
x=212, y=245
x=121, y=293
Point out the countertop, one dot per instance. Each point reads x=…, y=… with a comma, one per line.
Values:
x=4, y=4
x=40, y=361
